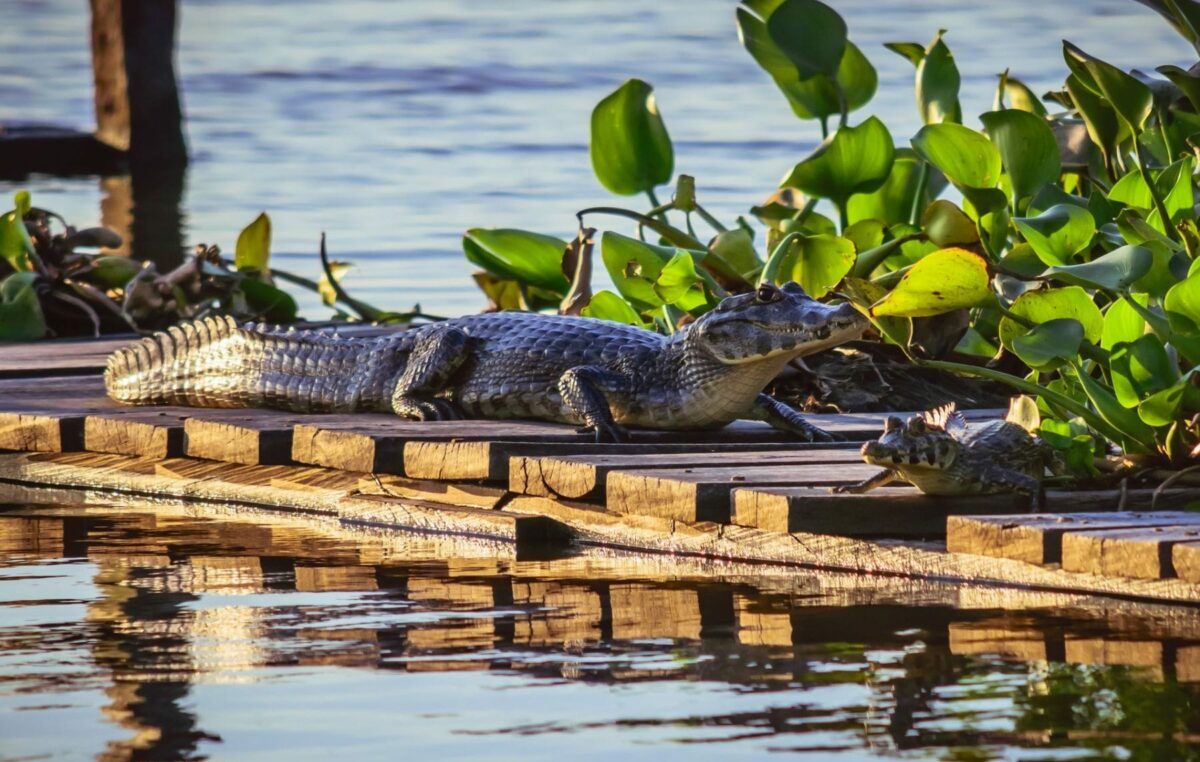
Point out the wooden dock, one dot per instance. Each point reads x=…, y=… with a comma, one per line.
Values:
x=746, y=493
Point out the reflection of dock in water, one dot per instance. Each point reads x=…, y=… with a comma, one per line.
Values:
x=186, y=598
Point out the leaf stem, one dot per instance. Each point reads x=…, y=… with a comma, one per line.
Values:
x=713, y=222
x=674, y=236
x=917, y=208
x=1159, y=206
x=772, y=266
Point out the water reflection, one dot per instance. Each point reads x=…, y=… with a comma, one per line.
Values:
x=136, y=635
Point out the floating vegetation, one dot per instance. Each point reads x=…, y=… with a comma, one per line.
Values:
x=1066, y=266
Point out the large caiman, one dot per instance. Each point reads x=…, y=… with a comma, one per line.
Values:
x=601, y=375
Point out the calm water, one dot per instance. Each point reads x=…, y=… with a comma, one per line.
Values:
x=394, y=125
x=126, y=634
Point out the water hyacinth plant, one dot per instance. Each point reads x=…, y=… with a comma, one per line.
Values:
x=1066, y=248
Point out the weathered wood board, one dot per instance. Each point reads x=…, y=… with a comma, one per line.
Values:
x=149, y=432
x=899, y=511
x=1038, y=538
x=704, y=494
x=583, y=476
x=1185, y=557
x=1141, y=552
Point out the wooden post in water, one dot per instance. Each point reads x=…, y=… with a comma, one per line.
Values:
x=108, y=71
x=138, y=109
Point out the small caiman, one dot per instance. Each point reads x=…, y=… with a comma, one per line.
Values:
x=601, y=375
x=939, y=453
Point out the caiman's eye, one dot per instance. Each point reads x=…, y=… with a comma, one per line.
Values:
x=916, y=425
x=767, y=293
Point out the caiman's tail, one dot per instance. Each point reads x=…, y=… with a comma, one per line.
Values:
x=214, y=362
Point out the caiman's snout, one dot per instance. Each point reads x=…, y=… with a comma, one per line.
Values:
x=829, y=325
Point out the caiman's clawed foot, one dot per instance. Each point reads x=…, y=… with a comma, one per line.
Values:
x=426, y=410
x=787, y=418
x=606, y=433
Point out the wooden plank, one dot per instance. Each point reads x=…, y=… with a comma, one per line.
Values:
x=41, y=431
x=491, y=460
x=252, y=437
x=886, y=512
x=1185, y=557
x=1037, y=538
x=1142, y=553
x=903, y=511
x=703, y=494
x=58, y=356
x=149, y=432
x=376, y=442
x=583, y=477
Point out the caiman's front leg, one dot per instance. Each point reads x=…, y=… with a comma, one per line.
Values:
x=781, y=416
x=430, y=365
x=584, y=390
x=887, y=476
x=1000, y=479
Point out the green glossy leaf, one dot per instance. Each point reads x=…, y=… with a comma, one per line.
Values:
x=634, y=267
x=1187, y=84
x=1132, y=100
x=968, y=160
x=852, y=160
x=20, y=311
x=679, y=285
x=1163, y=407
x=736, y=248
x=937, y=84
x=1114, y=271
x=630, y=148
x=253, y=251
x=1141, y=368
x=267, y=302
x=1177, y=188
x=1138, y=437
x=947, y=225
x=913, y=51
x=892, y=202
x=111, y=271
x=811, y=34
x=1049, y=344
x=1023, y=260
x=1022, y=97
x=1059, y=233
x=1043, y=306
x=946, y=280
x=15, y=246
x=1103, y=125
x=818, y=263
x=529, y=258
x=1132, y=190
x=815, y=97
x=1182, y=304
x=22, y=202
x=1052, y=195
x=865, y=234
x=1122, y=323
x=605, y=305
x=1028, y=150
